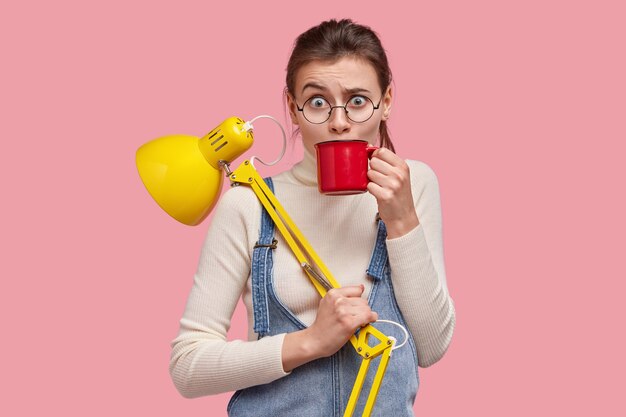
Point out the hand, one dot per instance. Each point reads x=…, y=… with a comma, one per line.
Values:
x=390, y=183
x=340, y=313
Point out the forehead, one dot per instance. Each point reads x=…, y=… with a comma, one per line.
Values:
x=347, y=73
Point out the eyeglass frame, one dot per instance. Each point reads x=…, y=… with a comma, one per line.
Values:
x=376, y=107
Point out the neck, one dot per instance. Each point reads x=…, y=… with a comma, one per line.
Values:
x=305, y=171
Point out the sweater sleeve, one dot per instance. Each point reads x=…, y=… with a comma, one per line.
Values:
x=202, y=361
x=419, y=276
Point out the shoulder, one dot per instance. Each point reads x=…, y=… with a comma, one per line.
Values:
x=236, y=218
x=425, y=189
x=238, y=194
x=422, y=175
x=238, y=201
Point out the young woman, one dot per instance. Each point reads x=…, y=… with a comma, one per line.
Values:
x=383, y=246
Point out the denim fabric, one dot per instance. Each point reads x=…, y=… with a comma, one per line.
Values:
x=322, y=387
x=261, y=270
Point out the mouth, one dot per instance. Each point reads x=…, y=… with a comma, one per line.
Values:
x=344, y=140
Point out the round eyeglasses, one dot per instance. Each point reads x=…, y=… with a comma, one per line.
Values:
x=317, y=110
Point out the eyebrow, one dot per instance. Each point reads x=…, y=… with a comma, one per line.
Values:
x=345, y=90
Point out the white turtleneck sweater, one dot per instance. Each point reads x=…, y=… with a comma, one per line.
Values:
x=342, y=230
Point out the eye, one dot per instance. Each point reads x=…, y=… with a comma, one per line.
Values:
x=357, y=101
x=318, y=102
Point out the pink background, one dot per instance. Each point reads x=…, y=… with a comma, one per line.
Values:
x=520, y=109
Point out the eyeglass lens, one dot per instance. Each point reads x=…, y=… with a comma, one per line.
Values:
x=358, y=109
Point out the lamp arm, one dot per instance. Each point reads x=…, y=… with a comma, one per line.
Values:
x=306, y=256
x=323, y=281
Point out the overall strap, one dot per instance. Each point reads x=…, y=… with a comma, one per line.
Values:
x=262, y=268
x=380, y=258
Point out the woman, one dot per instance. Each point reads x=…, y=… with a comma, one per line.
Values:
x=384, y=247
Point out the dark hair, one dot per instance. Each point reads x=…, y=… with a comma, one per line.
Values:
x=332, y=40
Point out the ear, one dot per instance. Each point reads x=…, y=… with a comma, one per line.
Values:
x=386, y=102
x=292, y=106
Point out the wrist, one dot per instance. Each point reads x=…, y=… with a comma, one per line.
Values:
x=311, y=344
x=400, y=227
x=299, y=348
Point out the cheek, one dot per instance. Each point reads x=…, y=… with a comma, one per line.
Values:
x=310, y=134
x=369, y=131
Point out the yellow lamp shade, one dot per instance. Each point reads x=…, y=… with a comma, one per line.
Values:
x=184, y=173
x=179, y=178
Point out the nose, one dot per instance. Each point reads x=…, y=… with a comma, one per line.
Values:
x=339, y=122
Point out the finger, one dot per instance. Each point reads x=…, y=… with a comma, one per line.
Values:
x=377, y=191
x=394, y=175
x=365, y=318
x=350, y=306
x=377, y=177
x=380, y=165
x=388, y=156
x=356, y=302
x=358, y=311
x=347, y=291
x=388, y=182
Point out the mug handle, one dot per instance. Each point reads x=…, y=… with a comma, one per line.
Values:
x=370, y=150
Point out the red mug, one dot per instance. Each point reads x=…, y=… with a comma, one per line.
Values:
x=342, y=166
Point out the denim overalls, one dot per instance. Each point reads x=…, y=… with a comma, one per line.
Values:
x=322, y=387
